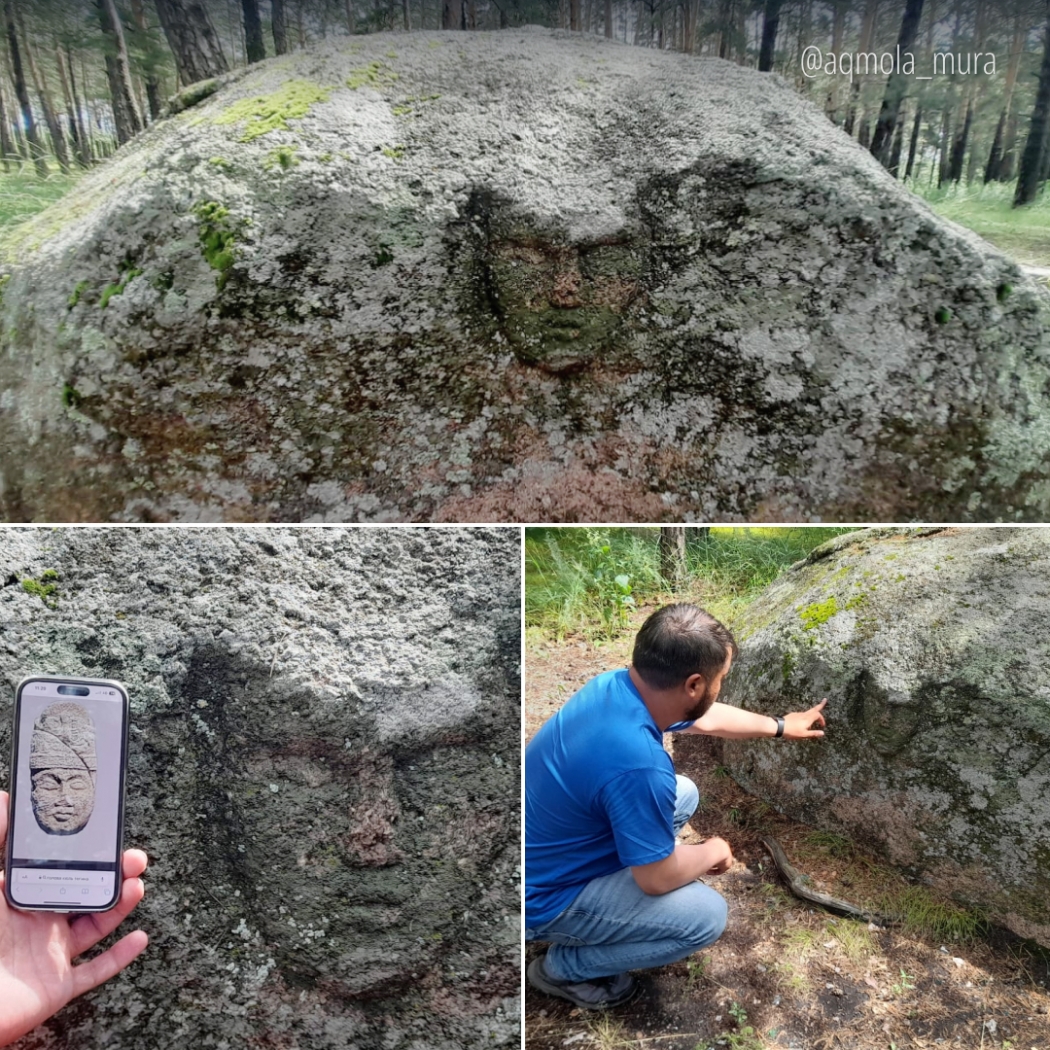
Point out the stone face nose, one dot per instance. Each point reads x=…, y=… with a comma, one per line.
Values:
x=566, y=292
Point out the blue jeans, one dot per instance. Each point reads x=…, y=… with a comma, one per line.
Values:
x=613, y=926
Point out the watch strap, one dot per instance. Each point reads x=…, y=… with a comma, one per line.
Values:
x=780, y=728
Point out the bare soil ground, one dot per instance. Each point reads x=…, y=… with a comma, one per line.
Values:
x=785, y=974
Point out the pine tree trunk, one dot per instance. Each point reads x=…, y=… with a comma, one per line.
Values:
x=885, y=129
x=408, y=18
x=452, y=14
x=723, y=42
x=672, y=555
x=1007, y=170
x=7, y=146
x=43, y=91
x=280, y=27
x=995, y=154
x=70, y=104
x=126, y=114
x=914, y=145
x=895, y=150
x=608, y=20
x=945, y=151
x=153, y=99
x=350, y=26
x=838, y=29
x=958, y=157
x=691, y=10
x=253, y=31
x=88, y=131
x=993, y=169
x=769, y=36
x=867, y=34
x=192, y=38
x=36, y=148
x=21, y=146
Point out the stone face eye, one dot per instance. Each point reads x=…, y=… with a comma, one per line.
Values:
x=48, y=785
x=610, y=260
x=521, y=253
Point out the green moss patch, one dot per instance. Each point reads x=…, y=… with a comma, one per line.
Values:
x=44, y=588
x=394, y=152
x=217, y=238
x=819, y=612
x=128, y=272
x=383, y=256
x=78, y=293
x=374, y=75
x=284, y=157
x=266, y=113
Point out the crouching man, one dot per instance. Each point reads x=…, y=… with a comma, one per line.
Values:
x=605, y=883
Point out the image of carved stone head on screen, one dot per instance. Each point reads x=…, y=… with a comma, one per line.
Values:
x=63, y=764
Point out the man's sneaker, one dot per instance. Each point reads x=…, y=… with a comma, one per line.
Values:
x=598, y=994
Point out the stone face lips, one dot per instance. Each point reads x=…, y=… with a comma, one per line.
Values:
x=931, y=647
x=63, y=765
x=512, y=276
x=323, y=766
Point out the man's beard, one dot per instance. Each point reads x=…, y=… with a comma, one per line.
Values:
x=699, y=709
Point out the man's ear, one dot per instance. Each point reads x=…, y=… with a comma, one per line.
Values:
x=695, y=684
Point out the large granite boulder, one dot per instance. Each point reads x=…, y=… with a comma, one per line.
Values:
x=324, y=770
x=933, y=649
x=524, y=275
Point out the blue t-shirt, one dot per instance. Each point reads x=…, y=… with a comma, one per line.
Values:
x=599, y=794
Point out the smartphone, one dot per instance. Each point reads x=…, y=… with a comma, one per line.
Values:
x=66, y=820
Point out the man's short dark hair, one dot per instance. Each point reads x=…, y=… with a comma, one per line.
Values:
x=678, y=641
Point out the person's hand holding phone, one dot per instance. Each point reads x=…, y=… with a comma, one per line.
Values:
x=37, y=949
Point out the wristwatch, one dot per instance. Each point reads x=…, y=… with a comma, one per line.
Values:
x=780, y=728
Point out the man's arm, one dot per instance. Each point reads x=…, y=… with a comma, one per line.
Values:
x=684, y=865
x=733, y=723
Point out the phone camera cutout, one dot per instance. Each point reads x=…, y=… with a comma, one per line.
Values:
x=73, y=690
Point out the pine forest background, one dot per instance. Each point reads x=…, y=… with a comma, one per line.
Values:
x=81, y=77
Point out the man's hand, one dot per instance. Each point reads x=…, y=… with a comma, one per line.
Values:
x=684, y=865
x=799, y=724
x=37, y=949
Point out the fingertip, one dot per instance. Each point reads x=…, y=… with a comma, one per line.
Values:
x=134, y=863
x=133, y=892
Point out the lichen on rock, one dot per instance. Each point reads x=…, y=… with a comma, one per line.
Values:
x=323, y=769
x=930, y=646
x=524, y=275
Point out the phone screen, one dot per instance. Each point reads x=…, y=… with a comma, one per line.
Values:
x=64, y=840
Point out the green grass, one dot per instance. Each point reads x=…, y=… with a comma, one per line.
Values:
x=23, y=193
x=836, y=845
x=568, y=571
x=1023, y=233
x=857, y=942
x=925, y=914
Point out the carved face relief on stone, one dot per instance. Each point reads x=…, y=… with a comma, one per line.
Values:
x=890, y=717
x=63, y=765
x=561, y=305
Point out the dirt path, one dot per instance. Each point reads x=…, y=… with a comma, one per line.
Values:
x=783, y=974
